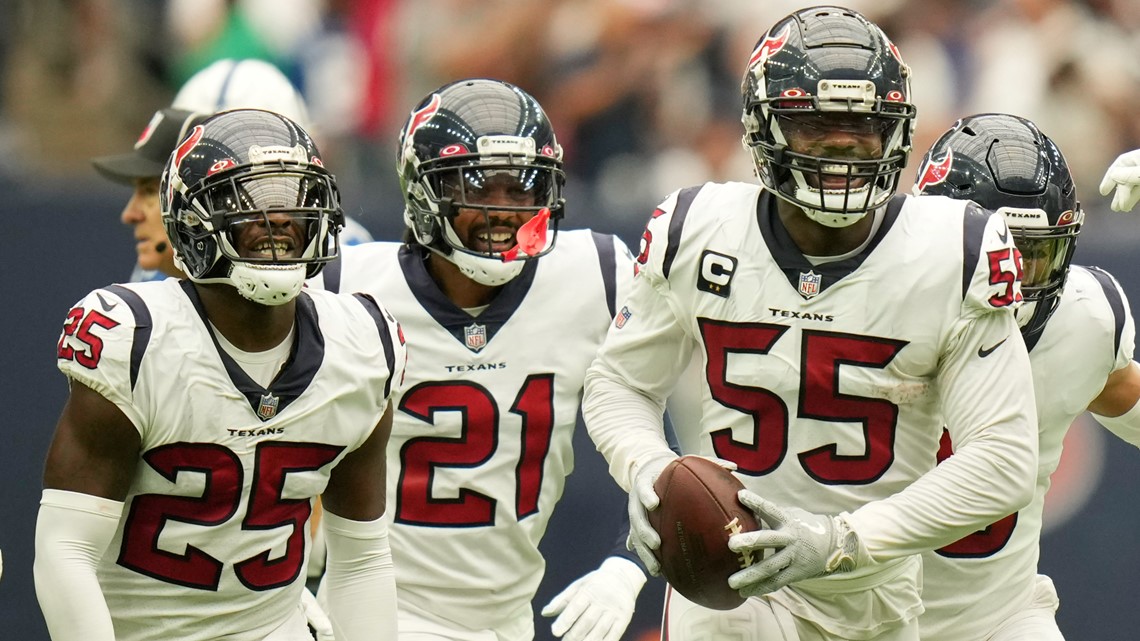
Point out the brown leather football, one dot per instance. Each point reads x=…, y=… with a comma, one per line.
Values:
x=698, y=512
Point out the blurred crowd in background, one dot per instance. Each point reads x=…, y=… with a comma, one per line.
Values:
x=643, y=93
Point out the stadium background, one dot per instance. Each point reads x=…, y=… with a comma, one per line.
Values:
x=644, y=96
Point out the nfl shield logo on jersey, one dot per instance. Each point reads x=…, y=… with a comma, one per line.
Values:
x=809, y=284
x=475, y=337
x=622, y=317
x=268, y=407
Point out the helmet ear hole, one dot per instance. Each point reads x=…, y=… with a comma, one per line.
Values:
x=427, y=228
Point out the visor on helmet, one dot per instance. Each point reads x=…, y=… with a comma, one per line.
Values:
x=1045, y=256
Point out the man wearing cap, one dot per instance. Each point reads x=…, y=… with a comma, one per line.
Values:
x=141, y=169
x=225, y=84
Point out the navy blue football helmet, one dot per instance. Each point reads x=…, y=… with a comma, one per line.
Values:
x=241, y=167
x=1006, y=164
x=457, y=140
x=814, y=71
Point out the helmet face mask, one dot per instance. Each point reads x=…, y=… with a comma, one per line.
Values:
x=291, y=201
x=478, y=160
x=497, y=197
x=1046, y=254
x=246, y=201
x=827, y=115
x=1006, y=164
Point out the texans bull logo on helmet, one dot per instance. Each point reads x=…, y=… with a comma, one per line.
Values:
x=769, y=45
x=180, y=154
x=934, y=172
x=419, y=118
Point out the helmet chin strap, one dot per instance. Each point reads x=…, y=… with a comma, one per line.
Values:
x=832, y=218
x=268, y=284
x=490, y=272
x=836, y=221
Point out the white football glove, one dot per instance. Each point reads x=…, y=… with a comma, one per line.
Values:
x=598, y=606
x=315, y=616
x=643, y=539
x=806, y=546
x=1124, y=176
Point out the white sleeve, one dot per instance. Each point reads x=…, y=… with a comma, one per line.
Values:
x=1122, y=383
x=992, y=419
x=623, y=265
x=359, y=587
x=103, y=359
x=72, y=532
x=1117, y=316
x=1126, y=426
x=626, y=386
x=1127, y=346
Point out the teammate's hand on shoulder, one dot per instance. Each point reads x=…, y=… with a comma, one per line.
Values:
x=1123, y=176
x=599, y=605
x=803, y=545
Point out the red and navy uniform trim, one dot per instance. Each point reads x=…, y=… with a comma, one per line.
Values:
x=143, y=327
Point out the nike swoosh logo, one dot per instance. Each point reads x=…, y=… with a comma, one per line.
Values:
x=107, y=307
x=1004, y=236
x=983, y=352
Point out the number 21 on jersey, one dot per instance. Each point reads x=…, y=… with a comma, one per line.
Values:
x=479, y=439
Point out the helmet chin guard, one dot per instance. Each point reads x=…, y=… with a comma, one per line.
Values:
x=485, y=271
x=268, y=284
x=532, y=241
x=1025, y=313
x=263, y=284
x=826, y=214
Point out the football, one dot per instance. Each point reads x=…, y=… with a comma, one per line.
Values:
x=698, y=512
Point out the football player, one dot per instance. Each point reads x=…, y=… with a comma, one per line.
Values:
x=206, y=415
x=504, y=312
x=833, y=325
x=225, y=84
x=1076, y=320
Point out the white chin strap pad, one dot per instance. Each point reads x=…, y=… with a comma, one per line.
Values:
x=487, y=271
x=834, y=220
x=834, y=202
x=268, y=284
x=491, y=272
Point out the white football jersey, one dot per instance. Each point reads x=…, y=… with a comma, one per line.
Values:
x=974, y=585
x=213, y=541
x=481, y=436
x=826, y=383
